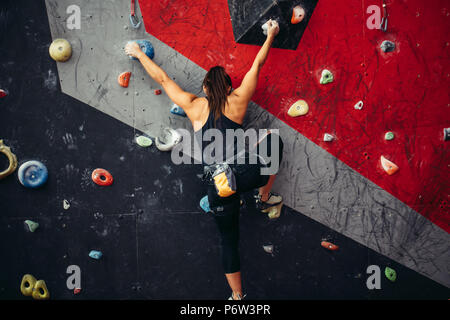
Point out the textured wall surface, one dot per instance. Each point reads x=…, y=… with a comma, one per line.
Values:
x=312, y=180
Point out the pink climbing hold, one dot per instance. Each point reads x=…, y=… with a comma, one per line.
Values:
x=388, y=166
x=298, y=14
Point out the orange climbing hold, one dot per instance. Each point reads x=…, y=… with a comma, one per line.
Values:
x=298, y=14
x=388, y=166
x=124, y=79
x=329, y=245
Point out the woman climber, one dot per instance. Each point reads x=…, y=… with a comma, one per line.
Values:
x=224, y=109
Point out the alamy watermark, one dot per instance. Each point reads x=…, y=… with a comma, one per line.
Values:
x=234, y=146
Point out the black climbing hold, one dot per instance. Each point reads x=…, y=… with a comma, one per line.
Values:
x=247, y=17
x=387, y=46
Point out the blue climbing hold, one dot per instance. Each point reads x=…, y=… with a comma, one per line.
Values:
x=204, y=204
x=146, y=47
x=32, y=174
x=178, y=110
x=94, y=254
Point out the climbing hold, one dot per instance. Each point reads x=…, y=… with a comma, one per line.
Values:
x=12, y=160
x=204, y=204
x=102, y=177
x=40, y=291
x=32, y=174
x=94, y=254
x=391, y=274
x=329, y=245
x=146, y=47
x=169, y=139
x=27, y=284
x=388, y=166
x=60, y=50
x=298, y=14
x=76, y=290
x=446, y=136
x=157, y=92
x=387, y=46
x=273, y=212
x=31, y=225
x=124, y=79
x=3, y=93
x=265, y=27
x=359, y=105
x=268, y=249
x=144, y=141
x=299, y=108
x=178, y=110
x=389, y=135
x=66, y=204
x=326, y=77
x=328, y=137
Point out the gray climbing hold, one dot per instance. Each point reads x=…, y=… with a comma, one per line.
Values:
x=31, y=225
x=327, y=77
x=387, y=46
x=446, y=134
x=328, y=137
x=94, y=254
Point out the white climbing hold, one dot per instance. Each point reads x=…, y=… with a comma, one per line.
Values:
x=265, y=27
x=359, y=105
x=328, y=137
x=168, y=140
x=66, y=204
x=268, y=249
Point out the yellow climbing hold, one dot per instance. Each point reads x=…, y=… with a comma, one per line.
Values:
x=40, y=291
x=12, y=160
x=300, y=108
x=60, y=50
x=27, y=284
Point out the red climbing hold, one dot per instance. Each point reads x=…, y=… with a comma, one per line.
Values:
x=76, y=290
x=124, y=79
x=298, y=14
x=102, y=177
x=329, y=245
x=3, y=93
x=388, y=166
x=157, y=92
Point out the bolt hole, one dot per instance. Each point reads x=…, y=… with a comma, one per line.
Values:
x=103, y=178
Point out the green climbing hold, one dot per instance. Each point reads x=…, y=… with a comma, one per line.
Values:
x=327, y=77
x=390, y=274
x=144, y=141
x=31, y=225
x=389, y=135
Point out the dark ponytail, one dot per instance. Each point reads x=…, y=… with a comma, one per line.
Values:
x=218, y=85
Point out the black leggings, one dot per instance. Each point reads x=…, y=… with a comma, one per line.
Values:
x=226, y=210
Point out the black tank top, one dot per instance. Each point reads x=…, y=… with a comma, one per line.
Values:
x=222, y=124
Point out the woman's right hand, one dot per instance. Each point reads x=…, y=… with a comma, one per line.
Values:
x=273, y=28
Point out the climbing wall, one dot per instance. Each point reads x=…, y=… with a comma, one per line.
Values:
x=312, y=180
x=51, y=113
x=404, y=91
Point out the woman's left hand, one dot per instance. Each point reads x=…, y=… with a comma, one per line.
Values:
x=133, y=49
